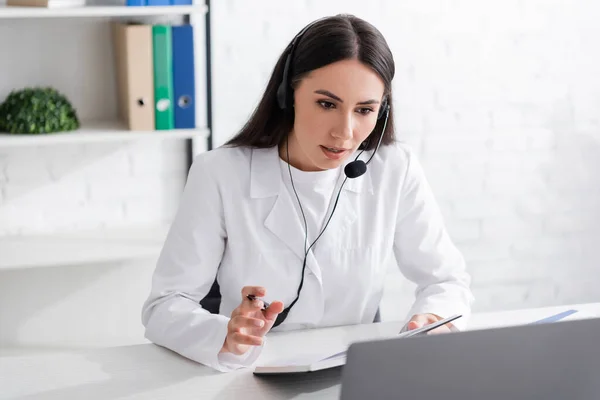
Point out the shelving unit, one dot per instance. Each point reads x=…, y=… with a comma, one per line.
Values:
x=86, y=285
x=102, y=245
x=99, y=132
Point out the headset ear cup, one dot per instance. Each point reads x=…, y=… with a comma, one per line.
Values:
x=382, y=109
x=281, y=96
x=282, y=89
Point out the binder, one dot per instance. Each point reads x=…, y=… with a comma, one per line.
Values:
x=134, y=3
x=159, y=2
x=181, y=2
x=135, y=74
x=163, y=77
x=184, y=85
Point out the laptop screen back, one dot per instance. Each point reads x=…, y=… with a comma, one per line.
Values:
x=547, y=361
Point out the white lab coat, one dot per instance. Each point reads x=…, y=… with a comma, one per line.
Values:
x=237, y=221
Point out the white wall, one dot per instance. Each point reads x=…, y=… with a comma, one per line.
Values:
x=75, y=306
x=502, y=101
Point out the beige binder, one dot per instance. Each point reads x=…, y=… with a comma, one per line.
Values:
x=135, y=74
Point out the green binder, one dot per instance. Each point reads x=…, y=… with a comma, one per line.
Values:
x=162, y=44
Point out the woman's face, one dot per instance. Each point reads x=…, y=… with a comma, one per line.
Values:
x=335, y=110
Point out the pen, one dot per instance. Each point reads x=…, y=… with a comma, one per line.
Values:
x=252, y=297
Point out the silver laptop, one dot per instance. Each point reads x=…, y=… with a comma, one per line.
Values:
x=556, y=361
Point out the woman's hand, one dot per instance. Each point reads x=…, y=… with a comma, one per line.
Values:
x=249, y=322
x=420, y=320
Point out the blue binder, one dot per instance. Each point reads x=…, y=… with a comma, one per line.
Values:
x=133, y=3
x=181, y=2
x=159, y=2
x=184, y=84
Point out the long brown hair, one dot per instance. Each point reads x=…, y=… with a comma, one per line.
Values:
x=326, y=41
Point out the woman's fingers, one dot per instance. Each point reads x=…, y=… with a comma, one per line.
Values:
x=240, y=334
x=273, y=310
x=412, y=325
x=242, y=322
x=421, y=320
x=251, y=304
x=257, y=291
x=238, y=338
x=247, y=305
x=244, y=330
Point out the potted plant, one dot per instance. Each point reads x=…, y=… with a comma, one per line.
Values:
x=37, y=110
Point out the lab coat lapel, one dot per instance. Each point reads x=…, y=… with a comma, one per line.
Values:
x=284, y=222
x=283, y=219
x=346, y=212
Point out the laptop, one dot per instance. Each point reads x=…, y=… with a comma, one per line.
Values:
x=539, y=361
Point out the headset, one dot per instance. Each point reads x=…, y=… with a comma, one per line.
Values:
x=353, y=169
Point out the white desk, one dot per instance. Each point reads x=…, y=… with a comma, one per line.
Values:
x=147, y=371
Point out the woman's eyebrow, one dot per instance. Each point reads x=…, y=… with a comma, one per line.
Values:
x=333, y=96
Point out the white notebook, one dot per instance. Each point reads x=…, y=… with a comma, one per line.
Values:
x=309, y=363
x=302, y=364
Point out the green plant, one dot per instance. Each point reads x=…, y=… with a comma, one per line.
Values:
x=37, y=110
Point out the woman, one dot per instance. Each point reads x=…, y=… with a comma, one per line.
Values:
x=284, y=214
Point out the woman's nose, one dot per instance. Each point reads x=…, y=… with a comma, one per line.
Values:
x=345, y=128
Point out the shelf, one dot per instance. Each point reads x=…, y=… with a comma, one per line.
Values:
x=77, y=248
x=98, y=11
x=98, y=131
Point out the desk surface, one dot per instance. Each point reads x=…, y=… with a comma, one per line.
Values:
x=146, y=371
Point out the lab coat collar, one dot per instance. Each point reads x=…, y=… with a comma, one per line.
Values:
x=362, y=183
x=266, y=181
x=265, y=175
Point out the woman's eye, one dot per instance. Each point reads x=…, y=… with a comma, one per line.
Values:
x=365, y=110
x=326, y=104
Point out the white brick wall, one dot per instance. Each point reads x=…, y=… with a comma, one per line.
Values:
x=501, y=98
x=70, y=187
